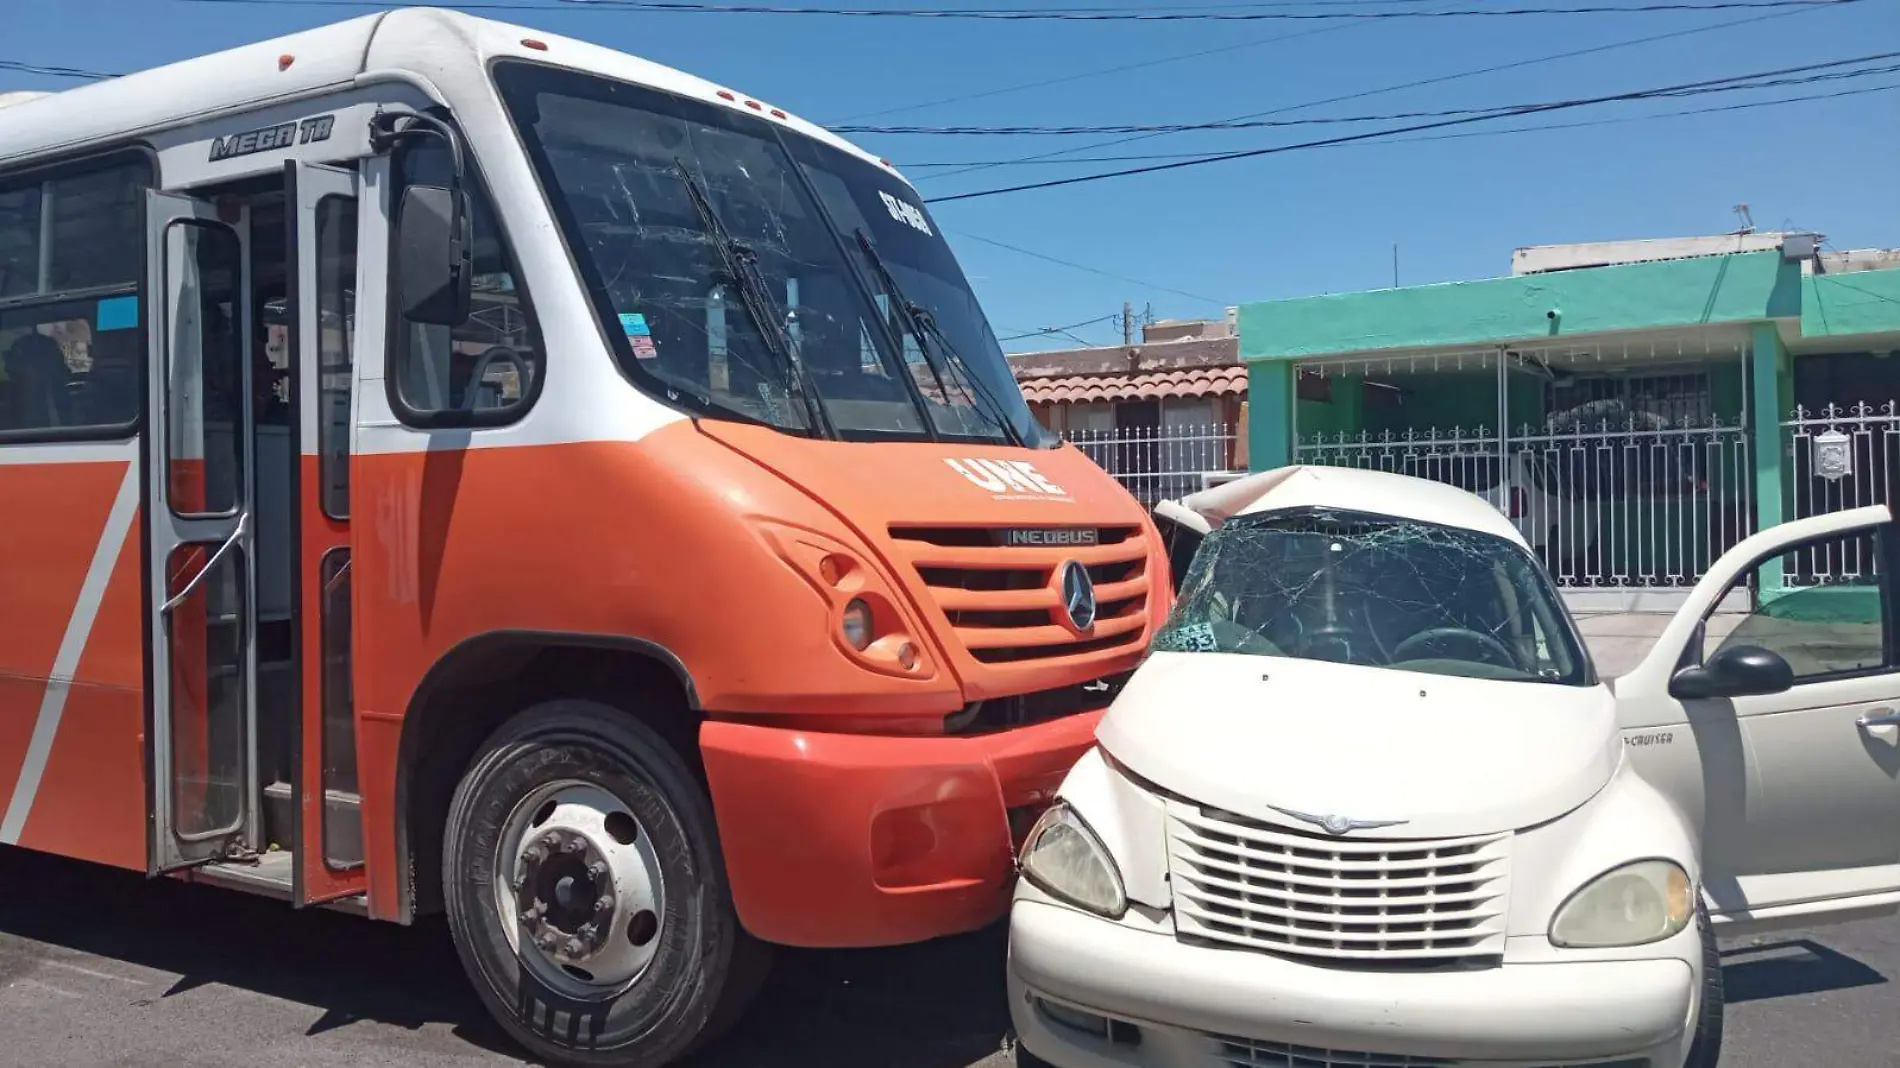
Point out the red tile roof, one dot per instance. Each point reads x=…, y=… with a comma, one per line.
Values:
x=1145, y=385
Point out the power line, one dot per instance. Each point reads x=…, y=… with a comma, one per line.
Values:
x=1126, y=15
x=1683, y=89
x=1449, y=137
x=1256, y=124
x=1420, y=83
x=1095, y=14
x=1048, y=330
x=51, y=72
x=1084, y=267
x=1120, y=68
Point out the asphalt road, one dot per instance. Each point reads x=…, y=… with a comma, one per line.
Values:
x=99, y=967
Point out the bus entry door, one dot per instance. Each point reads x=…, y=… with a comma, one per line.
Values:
x=203, y=586
x=327, y=810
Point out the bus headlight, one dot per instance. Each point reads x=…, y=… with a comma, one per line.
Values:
x=1645, y=901
x=857, y=624
x=1063, y=858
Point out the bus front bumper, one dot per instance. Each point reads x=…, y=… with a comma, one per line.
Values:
x=849, y=840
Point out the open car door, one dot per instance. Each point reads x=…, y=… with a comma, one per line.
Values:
x=1778, y=729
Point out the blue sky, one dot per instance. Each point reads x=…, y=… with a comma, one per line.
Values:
x=1278, y=226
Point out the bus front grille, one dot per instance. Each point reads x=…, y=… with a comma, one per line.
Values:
x=1004, y=599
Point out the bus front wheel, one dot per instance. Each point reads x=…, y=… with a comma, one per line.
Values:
x=585, y=891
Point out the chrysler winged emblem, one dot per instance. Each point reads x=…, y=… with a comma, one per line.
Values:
x=1334, y=824
x=1078, y=595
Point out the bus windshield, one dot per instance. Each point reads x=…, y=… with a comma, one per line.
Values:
x=729, y=288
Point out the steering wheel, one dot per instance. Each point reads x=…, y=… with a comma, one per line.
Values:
x=497, y=354
x=1492, y=650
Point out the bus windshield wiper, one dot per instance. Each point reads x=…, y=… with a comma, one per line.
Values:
x=923, y=326
x=742, y=264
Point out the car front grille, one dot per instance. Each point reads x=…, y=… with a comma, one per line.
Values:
x=1004, y=603
x=1416, y=903
x=1251, y=1053
x=1255, y=1053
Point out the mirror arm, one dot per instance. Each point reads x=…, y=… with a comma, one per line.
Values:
x=388, y=127
x=385, y=132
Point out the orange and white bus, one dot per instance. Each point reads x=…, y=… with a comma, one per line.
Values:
x=450, y=468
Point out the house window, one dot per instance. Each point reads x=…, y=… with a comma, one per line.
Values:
x=1188, y=413
x=1091, y=418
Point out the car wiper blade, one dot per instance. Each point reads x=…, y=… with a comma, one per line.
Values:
x=742, y=264
x=923, y=325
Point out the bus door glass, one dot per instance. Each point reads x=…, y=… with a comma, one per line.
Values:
x=324, y=310
x=202, y=584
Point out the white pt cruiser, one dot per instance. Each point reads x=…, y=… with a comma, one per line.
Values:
x=1368, y=804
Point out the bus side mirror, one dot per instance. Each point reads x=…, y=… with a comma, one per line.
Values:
x=434, y=255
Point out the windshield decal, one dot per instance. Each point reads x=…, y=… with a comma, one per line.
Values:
x=639, y=335
x=906, y=213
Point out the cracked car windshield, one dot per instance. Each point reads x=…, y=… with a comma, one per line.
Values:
x=1374, y=591
x=744, y=303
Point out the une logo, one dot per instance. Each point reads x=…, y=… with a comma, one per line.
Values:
x=905, y=213
x=1007, y=476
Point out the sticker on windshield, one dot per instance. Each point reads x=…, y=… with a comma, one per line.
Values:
x=639, y=335
x=908, y=214
x=1193, y=638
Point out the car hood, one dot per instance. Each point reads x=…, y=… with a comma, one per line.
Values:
x=1264, y=736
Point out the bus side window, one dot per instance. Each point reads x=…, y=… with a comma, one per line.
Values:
x=72, y=250
x=483, y=371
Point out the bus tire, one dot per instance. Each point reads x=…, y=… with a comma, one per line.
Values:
x=585, y=890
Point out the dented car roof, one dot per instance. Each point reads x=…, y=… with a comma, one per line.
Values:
x=1345, y=488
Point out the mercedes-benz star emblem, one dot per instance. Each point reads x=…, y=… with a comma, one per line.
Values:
x=1335, y=824
x=1078, y=595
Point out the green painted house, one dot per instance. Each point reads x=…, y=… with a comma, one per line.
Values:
x=1637, y=407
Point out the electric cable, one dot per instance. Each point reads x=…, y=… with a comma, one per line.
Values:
x=1683, y=89
x=1421, y=82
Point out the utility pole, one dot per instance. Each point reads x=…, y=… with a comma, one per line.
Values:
x=1395, y=265
x=1128, y=323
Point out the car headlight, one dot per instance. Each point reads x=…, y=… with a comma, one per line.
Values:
x=1645, y=901
x=1063, y=858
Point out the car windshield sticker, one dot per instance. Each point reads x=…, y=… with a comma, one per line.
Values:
x=1194, y=638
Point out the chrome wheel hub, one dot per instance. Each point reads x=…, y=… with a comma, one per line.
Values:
x=580, y=893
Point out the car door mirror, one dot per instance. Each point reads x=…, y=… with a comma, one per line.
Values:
x=434, y=257
x=1738, y=671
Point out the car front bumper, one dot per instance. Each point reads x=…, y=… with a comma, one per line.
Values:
x=1199, y=1007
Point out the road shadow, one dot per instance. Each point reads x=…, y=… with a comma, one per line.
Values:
x=1784, y=969
x=938, y=1005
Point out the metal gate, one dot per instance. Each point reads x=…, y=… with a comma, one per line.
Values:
x=1622, y=474
x=1839, y=457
